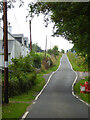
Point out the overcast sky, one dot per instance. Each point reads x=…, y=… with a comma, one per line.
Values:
x=17, y=18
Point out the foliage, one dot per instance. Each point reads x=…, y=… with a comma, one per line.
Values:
x=62, y=51
x=70, y=21
x=79, y=63
x=83, y=96
x=36, y=58
x=47, y=62
x=22, y=76
x=49, y=51
x=21, y=65
x=53, y=51
x=10, y=4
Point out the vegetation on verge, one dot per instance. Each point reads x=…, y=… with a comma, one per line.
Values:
x=79, y=63
x=14, y=110
x=54, y=51
x=83, y=96
x=26, y=98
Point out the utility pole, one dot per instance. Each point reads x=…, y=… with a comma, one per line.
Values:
x=6, y=100
x=46, y=46
x=30, y=36
x=50, y=45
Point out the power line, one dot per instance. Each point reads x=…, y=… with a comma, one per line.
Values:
x=15, y=19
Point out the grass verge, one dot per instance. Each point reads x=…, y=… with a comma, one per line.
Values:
x=14, y=110
x=83, y=96
x=78, y=62
x=19, y=104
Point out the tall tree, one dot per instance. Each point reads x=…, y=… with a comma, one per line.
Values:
x=71, y=20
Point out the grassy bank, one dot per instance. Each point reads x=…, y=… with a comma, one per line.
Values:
x=78, y=63
x=83, y=96
x=18, y=104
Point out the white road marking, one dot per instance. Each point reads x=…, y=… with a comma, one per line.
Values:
x=24, y=116
x=33, y=102
x=73, y=85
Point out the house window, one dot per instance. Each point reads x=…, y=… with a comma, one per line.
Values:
x=25, y=42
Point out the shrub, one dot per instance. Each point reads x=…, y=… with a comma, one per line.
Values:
x=47, y=62
x=43, y=68
x=21, y=85
x=36, y=60
x=13, y=88
x=23, y=75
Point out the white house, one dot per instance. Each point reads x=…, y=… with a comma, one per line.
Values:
x=16, y=48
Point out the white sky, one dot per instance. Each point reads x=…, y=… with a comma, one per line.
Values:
x=17, y=18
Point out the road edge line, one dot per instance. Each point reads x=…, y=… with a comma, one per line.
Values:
x=26, y=113
x=24, y=116
x=74, y=84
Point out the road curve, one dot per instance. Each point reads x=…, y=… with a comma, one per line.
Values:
x=57, y=101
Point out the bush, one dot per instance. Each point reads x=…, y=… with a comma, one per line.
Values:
x=21, y=85
x=13, y=86
x=36, y=60
x=23, y=75
x=53, y=51
x=47, y=62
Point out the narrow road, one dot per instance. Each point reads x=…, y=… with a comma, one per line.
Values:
x=57, y=101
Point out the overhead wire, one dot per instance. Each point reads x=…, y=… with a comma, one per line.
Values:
x=15, y=19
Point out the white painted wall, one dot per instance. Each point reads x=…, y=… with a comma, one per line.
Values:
x=15, y=49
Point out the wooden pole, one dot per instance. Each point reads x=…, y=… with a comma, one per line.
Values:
x=6, y=100
x=30, y=36
x=46, y=46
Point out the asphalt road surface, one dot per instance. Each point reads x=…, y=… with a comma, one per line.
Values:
x=57, y=101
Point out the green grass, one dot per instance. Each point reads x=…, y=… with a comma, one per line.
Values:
x=83, y=96
x=78, y=62
x=16, y=110
x=43, y=54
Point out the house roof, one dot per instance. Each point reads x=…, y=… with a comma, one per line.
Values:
x=18, y=35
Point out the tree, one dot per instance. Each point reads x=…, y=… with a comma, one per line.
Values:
x=62, y=51
x=10, y=4
x=49, y=51
x=55, y=51
x=71, y=20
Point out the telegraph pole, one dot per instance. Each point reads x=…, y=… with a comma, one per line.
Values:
x=30, y=36
x=46, y=46
x=5, y=37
